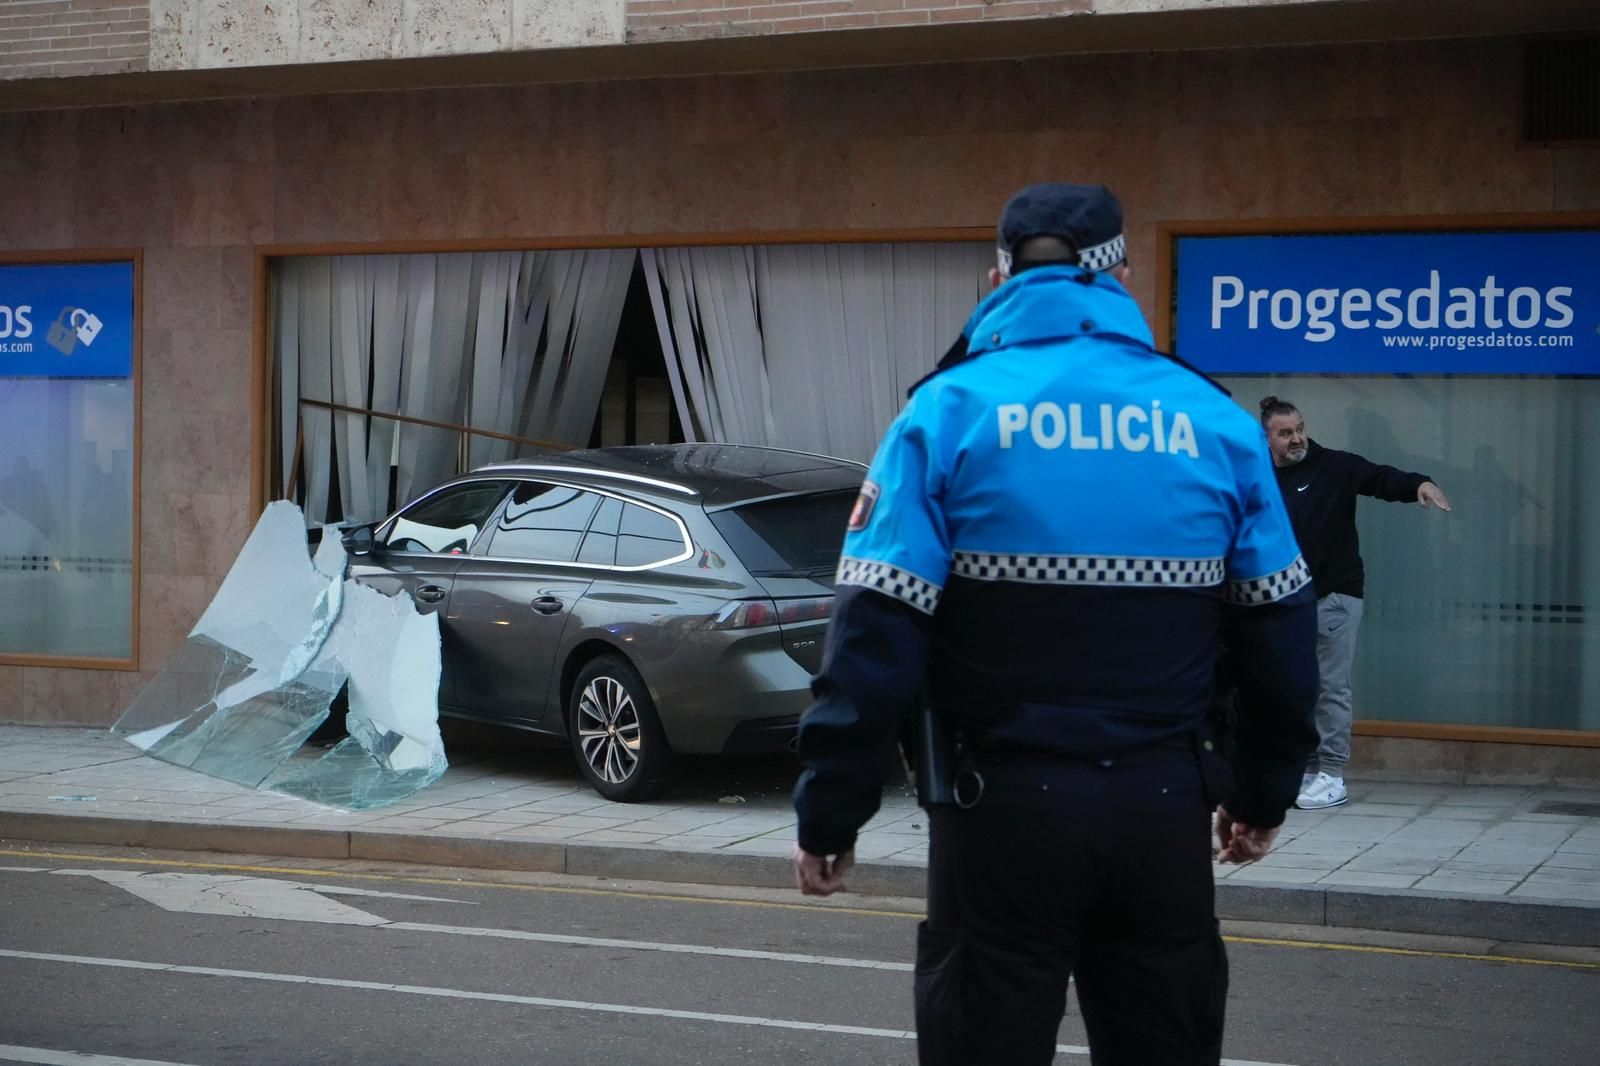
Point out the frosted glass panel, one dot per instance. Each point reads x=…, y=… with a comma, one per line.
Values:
x=1486, y=616
x=66, y=517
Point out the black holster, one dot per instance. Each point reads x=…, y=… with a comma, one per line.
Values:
x=930, y=757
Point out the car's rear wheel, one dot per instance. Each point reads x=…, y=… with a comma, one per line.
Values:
x=616, y=733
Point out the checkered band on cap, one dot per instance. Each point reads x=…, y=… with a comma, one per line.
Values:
x=1270, y=588
x=1104, y=256
x=1100, y=257
x=903, y=585
x=1088, y=569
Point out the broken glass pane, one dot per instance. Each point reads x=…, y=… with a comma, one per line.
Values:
x=391, y=654
x=243, y=741
x=258, y=672
x=231, y=702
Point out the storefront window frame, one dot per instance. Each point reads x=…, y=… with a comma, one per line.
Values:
x=1170, y=232
x=135, y=257
x=269, y=481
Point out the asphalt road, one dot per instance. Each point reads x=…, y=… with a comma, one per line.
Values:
x=111, y=957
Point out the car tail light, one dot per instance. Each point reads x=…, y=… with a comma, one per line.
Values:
x=752, y=614
x=745, y=614
x=791, y=612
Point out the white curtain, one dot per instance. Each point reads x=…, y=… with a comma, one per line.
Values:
x=704, y=301
x=836, y=333
x=315, y=339
x=573, y=305
x=435, y=359
x=509, y=342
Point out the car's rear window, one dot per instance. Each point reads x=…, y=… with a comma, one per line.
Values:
x=791, y=536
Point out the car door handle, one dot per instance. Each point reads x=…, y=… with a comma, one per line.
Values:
x=547, y=605
x=430, y=593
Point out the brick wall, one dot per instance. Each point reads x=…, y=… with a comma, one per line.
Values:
x=61, y=38
x=660, y=19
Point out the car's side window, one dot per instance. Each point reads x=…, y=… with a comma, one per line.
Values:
x=543, y=523
x=447, y=522
x=600, y=543
x=647, y=537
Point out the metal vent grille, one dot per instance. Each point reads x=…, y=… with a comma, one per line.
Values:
x=1561, y=91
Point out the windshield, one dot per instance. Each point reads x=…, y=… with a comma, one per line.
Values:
x=795, y=536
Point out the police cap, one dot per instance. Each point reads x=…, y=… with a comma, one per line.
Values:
x=1087, y=217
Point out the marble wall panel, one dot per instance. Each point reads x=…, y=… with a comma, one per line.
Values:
x=1361, y=130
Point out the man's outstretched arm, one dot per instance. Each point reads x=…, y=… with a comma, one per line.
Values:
x=1394, y=485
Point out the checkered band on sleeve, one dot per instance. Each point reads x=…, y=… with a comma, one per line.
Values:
x=1104, y=256
x=1272, y=587
x=891, y=581
x=1088, y=569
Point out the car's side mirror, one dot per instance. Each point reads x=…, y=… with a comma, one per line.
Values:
x=359, y=541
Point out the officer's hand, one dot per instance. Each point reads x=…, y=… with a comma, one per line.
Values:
x=1240, y=842
x=1429, y=494
x=815, y=875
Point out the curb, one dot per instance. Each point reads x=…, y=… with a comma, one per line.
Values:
x=1572, y=923
x=438, y=849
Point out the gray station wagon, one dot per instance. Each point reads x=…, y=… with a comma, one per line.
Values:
x=642, y=601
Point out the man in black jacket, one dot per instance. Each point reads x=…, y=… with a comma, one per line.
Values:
x=1320, y=486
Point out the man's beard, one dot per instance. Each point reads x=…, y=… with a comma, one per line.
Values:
x=1295, y=455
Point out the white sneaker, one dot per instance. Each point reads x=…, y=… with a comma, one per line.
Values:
x=1306, y=779
x=1324, y=791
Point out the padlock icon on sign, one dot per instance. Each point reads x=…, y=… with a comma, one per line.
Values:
x=62, y=336
x=88, y=327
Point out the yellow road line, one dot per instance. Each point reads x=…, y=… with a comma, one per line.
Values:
x=1378, y=949
x=1318, y=945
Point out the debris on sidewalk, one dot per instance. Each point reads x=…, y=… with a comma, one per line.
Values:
x=260, y=670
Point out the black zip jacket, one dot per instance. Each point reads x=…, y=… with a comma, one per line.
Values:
x=1320, y=492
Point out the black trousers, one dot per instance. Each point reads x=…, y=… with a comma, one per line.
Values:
x=1101, y=873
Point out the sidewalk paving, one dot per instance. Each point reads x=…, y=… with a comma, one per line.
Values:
x=1503, y=862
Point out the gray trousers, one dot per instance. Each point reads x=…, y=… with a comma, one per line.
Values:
x=1338, y=620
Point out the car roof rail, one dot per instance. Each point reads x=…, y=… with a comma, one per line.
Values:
x=813, y=455
x=589, y=471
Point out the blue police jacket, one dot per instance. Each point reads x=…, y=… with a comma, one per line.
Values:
x=1057, y=540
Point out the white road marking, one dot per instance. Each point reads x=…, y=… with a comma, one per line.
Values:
x=50, y=1057
x=246, y=897
x=234, y=896
x=506, y=997
x=24, y=869
x=646, y=945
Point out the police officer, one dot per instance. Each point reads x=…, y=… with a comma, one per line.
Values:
x=1056, y=540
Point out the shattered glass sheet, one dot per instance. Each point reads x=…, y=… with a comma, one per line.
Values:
x=258, y=672
x=391, y=655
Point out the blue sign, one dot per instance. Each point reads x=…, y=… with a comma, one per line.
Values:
x=66, y=320
x=1411, y=303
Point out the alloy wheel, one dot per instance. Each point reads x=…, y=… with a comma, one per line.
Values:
x=608, y=730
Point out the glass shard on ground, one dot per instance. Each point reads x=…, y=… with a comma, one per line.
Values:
x=259, y=671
